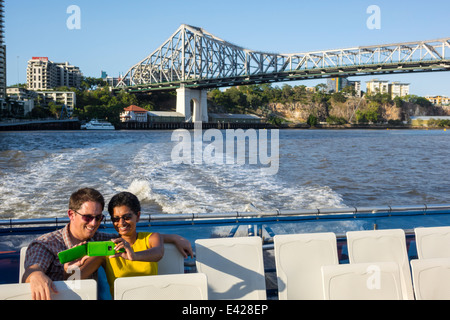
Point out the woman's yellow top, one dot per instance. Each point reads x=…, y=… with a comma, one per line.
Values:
x=120, y=267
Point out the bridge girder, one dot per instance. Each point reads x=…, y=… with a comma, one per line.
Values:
x=192, y=57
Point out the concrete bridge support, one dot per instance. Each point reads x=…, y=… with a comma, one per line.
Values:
x=193, y=104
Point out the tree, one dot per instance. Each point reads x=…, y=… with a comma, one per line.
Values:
x=54, y=109
x=312, y=120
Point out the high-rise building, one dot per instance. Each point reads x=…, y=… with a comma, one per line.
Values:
x=43, y=74
x=394, y=89
x=377, y=86
x=2, y=56
x=339, y=83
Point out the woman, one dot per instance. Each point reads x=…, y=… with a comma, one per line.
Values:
x=142, y=250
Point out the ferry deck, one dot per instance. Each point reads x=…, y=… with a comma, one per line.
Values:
x=262, y=273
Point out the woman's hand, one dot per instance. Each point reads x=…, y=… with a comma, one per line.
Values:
x=129, y=254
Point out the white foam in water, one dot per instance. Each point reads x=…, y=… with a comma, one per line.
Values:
x=191, y=188
x=40, y=186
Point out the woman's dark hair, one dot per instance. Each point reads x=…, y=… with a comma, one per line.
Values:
x=124, y=199
x=84, y=195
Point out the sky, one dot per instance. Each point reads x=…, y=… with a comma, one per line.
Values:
x=114, y=35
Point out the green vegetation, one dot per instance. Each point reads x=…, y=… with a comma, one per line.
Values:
x=277, y=104
x=439, y=123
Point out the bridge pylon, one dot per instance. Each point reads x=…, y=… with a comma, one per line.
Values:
x=192, y=103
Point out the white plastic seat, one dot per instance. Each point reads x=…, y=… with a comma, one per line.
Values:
x=234, y=267
x=23, y=252
x=431, y=278
x=298, y=260
x=382, y=246
x=362, y=281
x=186, y=286
x=67, y=290
x=433, y=242
x=172, y=261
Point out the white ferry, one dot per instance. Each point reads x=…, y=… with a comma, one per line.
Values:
x=95, y=124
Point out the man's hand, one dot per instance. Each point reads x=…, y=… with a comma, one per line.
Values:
x=42, y=287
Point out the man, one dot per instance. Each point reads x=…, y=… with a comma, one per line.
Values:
x=42, y=265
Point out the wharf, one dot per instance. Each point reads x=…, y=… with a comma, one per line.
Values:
x=49, y=124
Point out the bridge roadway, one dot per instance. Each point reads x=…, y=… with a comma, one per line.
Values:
x=195, y=59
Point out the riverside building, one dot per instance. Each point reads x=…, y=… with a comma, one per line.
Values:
x=43, y=74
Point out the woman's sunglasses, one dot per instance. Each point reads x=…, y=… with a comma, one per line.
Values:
x=126, y=217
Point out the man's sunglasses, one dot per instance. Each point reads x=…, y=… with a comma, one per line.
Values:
x=89, y=217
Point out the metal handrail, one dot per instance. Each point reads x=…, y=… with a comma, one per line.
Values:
x=318, y=213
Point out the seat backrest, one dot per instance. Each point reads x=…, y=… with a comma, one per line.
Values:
x=433, y=242
x=362, y=281
x=186, y=286
x=298, y=260
x=23, y=252
x=431, y=278
x=382, y=246
x=234, y=267
x=172, y=261
x=67, y=290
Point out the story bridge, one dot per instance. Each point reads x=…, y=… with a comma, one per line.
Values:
x=193, y=60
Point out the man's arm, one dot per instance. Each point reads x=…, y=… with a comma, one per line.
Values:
x=182, y=244
x=41, y=285
x=87, y=266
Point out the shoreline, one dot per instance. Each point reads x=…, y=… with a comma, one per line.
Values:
x=75, y=125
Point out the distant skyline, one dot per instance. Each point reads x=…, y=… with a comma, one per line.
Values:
x=114, y=35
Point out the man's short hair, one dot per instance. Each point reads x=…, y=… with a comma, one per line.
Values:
x=84, y=195
x=124, y=199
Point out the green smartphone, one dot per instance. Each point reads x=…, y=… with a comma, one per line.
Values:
x=92, y=249
x=72, y=254
x=101, y=248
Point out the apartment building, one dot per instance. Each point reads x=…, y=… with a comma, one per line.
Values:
x=438, y=100
x=339, y=83
x=30, y=98
x=394, y=89
x=377, y=86
x=397, y=89
x=21, y=98
x=67, y=98
x=43, y=74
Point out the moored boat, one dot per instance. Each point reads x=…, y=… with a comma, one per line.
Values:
x=95, y=124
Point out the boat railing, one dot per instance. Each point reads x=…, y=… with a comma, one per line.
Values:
x=319, y=213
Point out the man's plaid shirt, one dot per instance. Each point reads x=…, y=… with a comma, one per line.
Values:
x=43, y=251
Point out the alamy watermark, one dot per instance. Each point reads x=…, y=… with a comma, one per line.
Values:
x=73, y=22
x=374, y=280
x=374, y=20
x=227, y=147
x=73, y=282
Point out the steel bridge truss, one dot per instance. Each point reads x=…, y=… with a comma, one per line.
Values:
x=192, y=57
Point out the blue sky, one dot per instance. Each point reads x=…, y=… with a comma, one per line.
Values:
x=116, y=34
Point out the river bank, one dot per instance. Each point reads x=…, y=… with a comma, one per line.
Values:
x=37, y=125
x=55, y=126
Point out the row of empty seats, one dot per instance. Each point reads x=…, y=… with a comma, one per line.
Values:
x=307, y=267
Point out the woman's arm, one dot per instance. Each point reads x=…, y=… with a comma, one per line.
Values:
x=183, y=245
x=154, y=254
